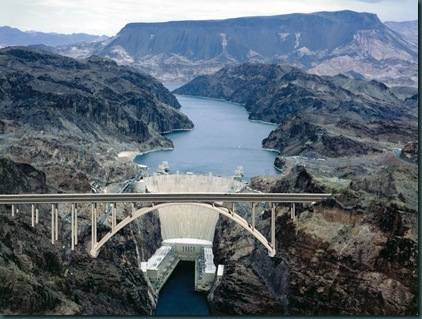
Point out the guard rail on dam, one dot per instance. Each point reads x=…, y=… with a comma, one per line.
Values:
x=188, y=207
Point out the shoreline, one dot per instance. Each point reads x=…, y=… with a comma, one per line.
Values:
x=263, y=122
x=271, y=150
x=177, y=130
x=133, y=155
x=229, y=102
x=210, y=98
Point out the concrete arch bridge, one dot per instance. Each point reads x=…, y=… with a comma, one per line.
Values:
x=210, y=201
x=188, y=207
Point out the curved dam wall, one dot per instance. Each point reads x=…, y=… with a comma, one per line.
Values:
x=185, y=221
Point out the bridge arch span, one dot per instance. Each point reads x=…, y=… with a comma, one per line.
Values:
x=213, y=206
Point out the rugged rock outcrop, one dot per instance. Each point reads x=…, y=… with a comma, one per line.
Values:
x=39, y=278
x=325, y=43
x=353, y=254
x=410, y=152
x=18, y=178
x=80, y=114
x=70, y=118
x=349, y=138
x=275, y=92
x=330, y=116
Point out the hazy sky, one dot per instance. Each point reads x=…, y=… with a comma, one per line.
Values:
x=109, y=16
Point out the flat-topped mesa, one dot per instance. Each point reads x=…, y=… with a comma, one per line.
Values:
x=325, y=43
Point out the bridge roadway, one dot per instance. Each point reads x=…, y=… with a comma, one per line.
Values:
x=210, y=200
x=177, y=197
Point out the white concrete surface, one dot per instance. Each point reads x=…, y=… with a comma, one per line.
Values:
x=184, y=221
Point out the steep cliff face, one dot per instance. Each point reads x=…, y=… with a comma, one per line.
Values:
x=41, y=278
x=353, y=254
x=80, y=113
x=54, y=94
x=18, y=178
x=70, y=119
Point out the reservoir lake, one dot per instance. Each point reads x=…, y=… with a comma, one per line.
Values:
x=222, y=139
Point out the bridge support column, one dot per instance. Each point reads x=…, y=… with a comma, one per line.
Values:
x=76, y=225
x=33, y=215
x=13, y=210
x=52, y=224
x=73, y=227
x=113, y=217
x=273, y=225
x=93, y=226
x=36, y=215
x=293, y=211
x=57, y=221
x=253, y=215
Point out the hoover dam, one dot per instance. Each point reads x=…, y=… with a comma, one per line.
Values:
x=187, y=230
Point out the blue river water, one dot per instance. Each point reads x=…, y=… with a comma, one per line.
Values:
x=222, y=139
x=178, y=296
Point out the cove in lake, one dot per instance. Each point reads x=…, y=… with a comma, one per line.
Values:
x=222, y=139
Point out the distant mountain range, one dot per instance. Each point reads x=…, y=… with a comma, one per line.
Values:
x=14, y=37
x=323, y=43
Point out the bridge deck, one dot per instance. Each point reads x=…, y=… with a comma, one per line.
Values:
x=178, y=197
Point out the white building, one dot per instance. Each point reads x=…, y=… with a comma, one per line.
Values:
x=205, y=270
